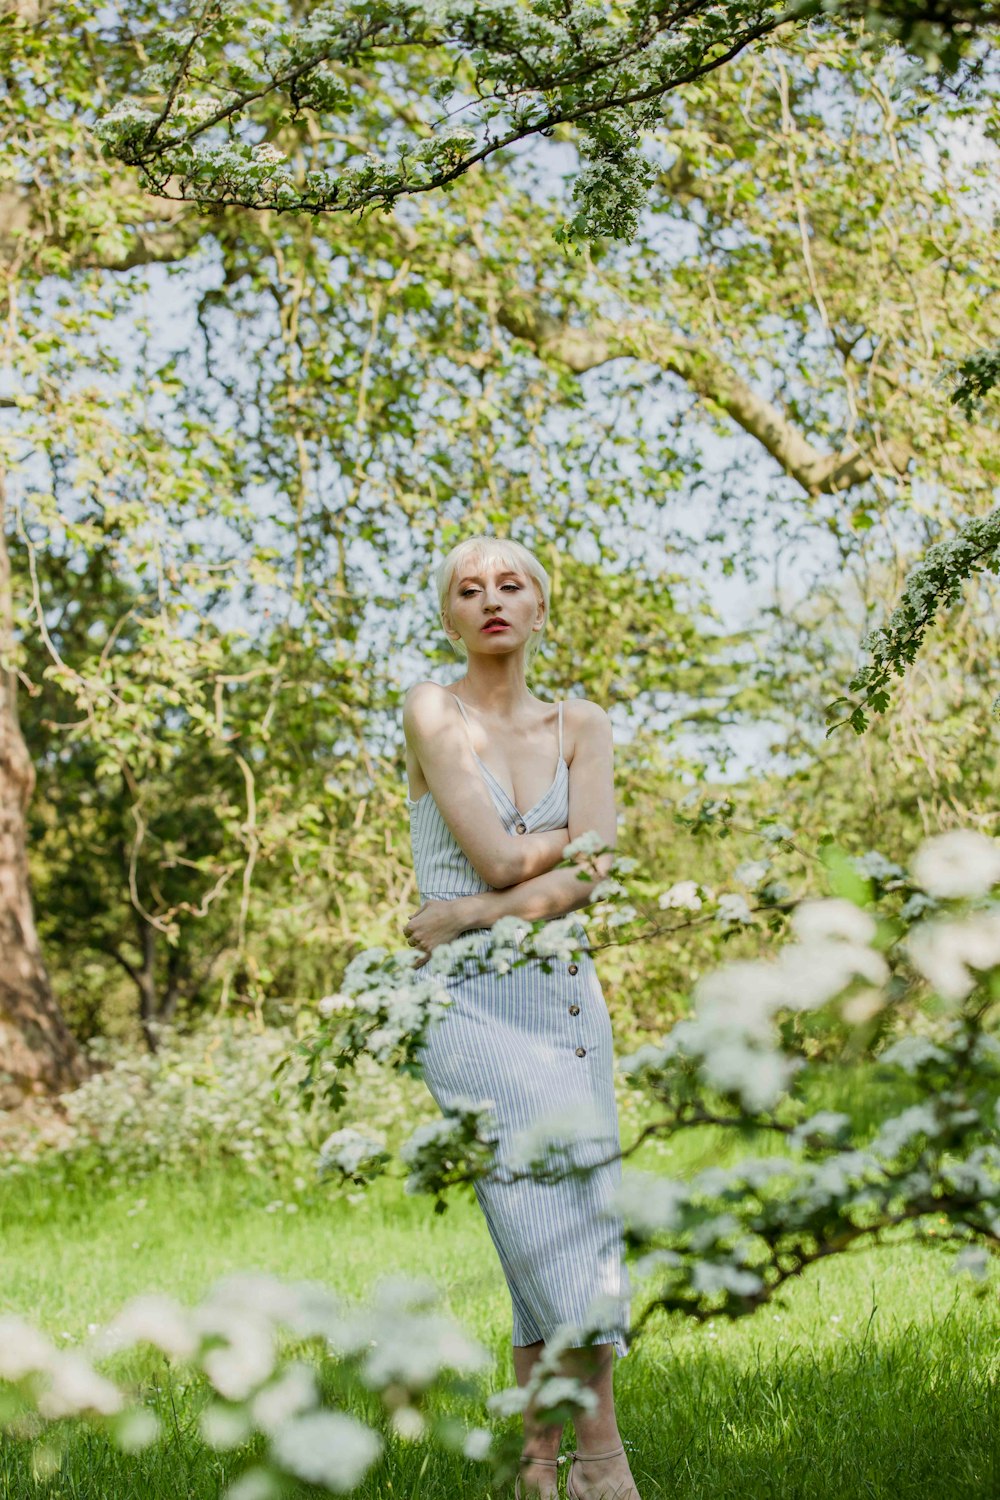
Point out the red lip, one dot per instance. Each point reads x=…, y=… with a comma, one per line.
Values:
x=496, y=624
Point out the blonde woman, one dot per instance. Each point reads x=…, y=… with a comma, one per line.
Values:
x=489, y=819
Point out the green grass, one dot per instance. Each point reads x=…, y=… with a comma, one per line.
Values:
x=877, y=1377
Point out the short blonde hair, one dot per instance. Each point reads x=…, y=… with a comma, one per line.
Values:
x=480, y=549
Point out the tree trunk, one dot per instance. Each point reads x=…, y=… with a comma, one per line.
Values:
x=38, y=1053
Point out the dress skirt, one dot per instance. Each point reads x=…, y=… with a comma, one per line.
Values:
x=539, y=1046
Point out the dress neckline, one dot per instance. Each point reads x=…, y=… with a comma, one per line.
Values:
x=504, y=792
x=523, y=816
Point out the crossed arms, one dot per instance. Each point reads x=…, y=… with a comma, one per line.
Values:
x=519, y=867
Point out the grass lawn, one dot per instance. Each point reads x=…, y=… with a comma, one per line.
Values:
x=877, y=1377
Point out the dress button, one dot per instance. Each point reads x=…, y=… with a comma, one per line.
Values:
x=581, y=1051
x=573, y=968
x=574, y=1010
x=522, y=827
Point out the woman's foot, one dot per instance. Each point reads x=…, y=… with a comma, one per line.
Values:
x=538, y=1479
x=602, y=1478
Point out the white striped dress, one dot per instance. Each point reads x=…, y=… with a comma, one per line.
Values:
x=534, y=1044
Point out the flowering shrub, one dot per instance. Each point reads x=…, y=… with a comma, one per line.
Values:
x=236, y=1340
x=906, y=974
x=205, y=1097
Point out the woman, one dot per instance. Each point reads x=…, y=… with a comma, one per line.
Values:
x=489, y=821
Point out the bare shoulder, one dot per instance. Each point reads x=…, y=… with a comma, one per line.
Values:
x=425, y=705
x=588, y=724
x=587, y=716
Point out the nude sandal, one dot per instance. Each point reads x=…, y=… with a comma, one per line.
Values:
x=572, y=1492
x=553, y=1462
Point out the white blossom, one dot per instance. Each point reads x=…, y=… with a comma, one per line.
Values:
x=826, y=1122
x=151, y=1318
x=683, y=896
x=775, y=833
x=292, y=1392
x=833, y=917
x=326, y=1448
x=255, y=1484
x=329, y=1004
x=74, y=1387
x=712, y=1276
x=898, y=1132
x=587, y=843
x=478, y=1443
x=912, y=1052
x=733, y=909
x=647, y=1203
x=558, y=939
x=961, y=862
x=22, y=1348
x=945, y=952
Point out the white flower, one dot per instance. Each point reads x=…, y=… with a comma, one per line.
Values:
x=331, y=1003
x=75, y=1387
x=911, y=1053
x=708, y=1276
x=293, y=1391
x=683, y=895
x=587, y=843
x=22, y=1348
x=623, y=915
x=774, y=833
x=546, y=1135
x=752, y=872
x=833, y=917
x=478, y=1443
x=509, y=931
x=408, y=1423
x=559, y=1388
x=898, y=1132
x=827, y=1123
x=733, y=908
x=945, y=952
x=246, y=1359
x=960, y=863
x=648, y=1203
x=255, y=1484
x=759, y=1077
x=326, y=1448
x=151, y=1318
x=814, y=973
x=558, y=939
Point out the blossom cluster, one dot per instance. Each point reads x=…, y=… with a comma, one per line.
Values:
x=399, y=1345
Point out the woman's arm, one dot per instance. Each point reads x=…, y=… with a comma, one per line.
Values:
x=439, y=738
x=591, y=806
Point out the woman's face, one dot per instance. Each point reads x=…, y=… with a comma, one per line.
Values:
x=484, y=593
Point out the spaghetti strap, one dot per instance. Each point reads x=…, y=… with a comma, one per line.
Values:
x=461, y=705
x=560, y=729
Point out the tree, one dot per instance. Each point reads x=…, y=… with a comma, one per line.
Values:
x=361, y=390
x=37, y=1050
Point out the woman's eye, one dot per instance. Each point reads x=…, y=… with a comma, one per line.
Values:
x=515, y=586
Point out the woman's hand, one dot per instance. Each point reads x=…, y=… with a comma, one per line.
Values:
x=437, y=922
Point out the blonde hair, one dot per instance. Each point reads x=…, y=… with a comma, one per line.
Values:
x=480, y=549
